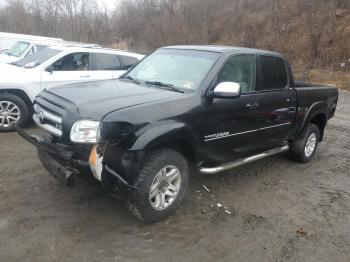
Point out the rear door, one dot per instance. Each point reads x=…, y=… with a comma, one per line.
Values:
x=276, y=100
x=104, y=65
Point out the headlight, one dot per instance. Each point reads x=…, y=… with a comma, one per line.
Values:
x=85, y=131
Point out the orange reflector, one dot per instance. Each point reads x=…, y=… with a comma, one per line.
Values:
x=93, y=156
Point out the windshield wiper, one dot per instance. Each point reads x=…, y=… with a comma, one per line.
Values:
x=161, y=84
x=131, y=78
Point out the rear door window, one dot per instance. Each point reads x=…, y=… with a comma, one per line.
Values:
x=104, y=62
x=273, y=73
x=128, y=61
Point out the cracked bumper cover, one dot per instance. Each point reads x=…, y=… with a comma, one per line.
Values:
x=107, y=165
x=58, y=159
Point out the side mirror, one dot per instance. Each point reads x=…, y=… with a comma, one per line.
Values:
x=50, y=69
x=227, y=90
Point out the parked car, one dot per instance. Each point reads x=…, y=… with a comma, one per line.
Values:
x=210, y=107
x=21, y=81
x=7, y=40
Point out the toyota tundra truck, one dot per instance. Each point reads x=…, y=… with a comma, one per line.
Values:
x=182, y=108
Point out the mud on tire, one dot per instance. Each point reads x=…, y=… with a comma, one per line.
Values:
x=139, y=203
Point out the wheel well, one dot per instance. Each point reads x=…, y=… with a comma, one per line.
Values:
x=181, y=146
x=320, y=120
x=21, y=94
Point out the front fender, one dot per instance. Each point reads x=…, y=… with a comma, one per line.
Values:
x=165, y=132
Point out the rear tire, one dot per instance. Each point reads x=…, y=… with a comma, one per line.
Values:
x=13, y=111
x=304, y=148
x=160, y=185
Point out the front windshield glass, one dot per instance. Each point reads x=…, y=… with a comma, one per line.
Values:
x=183, y=69
x=37, y=58
x=18, y=49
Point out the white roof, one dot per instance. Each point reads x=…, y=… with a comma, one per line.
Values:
x=73, y=48
x=31, y=38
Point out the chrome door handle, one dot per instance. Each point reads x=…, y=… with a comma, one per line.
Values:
x=252, y=106
x=288, y=100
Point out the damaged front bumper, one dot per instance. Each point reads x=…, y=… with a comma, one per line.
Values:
x=58, y=159
x=67, y=163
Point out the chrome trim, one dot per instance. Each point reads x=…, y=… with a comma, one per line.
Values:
x=240, y=162
x=268, y=127
x=236, y=134
x=48, y=128
x=227, y=89
x=47, y=115
x=245, y=132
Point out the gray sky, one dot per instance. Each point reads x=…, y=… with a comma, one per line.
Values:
x=110, y=4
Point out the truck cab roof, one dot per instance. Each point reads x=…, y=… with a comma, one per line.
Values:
x=224, y=49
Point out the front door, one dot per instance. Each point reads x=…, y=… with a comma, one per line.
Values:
x=230, y=128
x=277, y=102
x=72, y=68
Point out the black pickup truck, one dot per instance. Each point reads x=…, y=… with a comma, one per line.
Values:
x=208, y=107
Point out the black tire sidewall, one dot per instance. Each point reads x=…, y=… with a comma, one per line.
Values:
x=139, y=203
x=297, y=147
x=24, y=112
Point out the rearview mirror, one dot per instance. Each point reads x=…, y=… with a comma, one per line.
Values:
x=227, y=90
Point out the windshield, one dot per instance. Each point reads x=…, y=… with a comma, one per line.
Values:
x=184, y=69
x=37, y=58
x=18, y=49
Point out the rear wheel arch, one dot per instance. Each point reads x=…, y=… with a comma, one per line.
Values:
x=316, y=114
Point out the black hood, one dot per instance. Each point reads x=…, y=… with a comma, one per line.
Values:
x=96, y=99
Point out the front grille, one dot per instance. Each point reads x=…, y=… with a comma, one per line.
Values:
x=49, y=121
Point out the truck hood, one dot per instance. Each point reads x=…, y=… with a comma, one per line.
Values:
x=96, y=99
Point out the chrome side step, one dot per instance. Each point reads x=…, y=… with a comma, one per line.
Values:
x=240, y=162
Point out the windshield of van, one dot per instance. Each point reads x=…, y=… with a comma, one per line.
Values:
x=37, y=58
x=18, y=49
x=183, y=69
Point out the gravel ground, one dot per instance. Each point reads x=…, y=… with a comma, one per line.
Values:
x=277, y=210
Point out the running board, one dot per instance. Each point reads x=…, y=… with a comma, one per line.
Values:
x=240, y=162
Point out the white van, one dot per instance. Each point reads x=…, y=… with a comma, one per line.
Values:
x=20, y=46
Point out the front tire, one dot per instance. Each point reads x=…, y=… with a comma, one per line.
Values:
x=304, y=148
x=160, y=186
x=13, y=111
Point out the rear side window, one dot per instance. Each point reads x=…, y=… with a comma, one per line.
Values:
x=105, y=62
x=128, y=61
x=273, y=73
